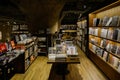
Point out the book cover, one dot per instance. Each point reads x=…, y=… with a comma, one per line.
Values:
x=94, y=48
x=118, y=21
x=118, y=38
x=110, y=34
x=12, y=44
x=96, y=32
x=115, y=61
x=96, y=21
x=104, y=43
x=91, y=30
x=115, y=21
x=113, y=48
x=115, y=34
x=99, y=51
x=110, y=59
x=105, y=20
x=105, y=56
x=71, y=50
x=108, y=47
x=104, y=33
x=118, y=50
x=109, y=21
x=118, y=67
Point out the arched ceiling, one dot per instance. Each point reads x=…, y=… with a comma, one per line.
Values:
x=44, y=13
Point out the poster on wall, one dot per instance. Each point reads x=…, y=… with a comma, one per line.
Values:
x=0, y=35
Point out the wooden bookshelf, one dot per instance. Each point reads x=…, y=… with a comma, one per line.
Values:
x=28, y=56
x=101, y=36
x=82, y=33
x=69, y=29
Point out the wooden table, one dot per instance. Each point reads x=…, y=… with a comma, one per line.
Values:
x=61, y=65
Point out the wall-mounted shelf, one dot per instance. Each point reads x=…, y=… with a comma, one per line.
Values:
x=104, y=39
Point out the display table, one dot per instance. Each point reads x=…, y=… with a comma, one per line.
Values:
x=61, y=65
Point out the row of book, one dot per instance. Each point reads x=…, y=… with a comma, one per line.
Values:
x=107, y=57
x=107, y=21
x=19, y=27
x=107, y=45
x=69, y=27
x=106, y=33
x=82, y=24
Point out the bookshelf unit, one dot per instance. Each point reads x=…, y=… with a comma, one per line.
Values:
x=69, y=29
x=28, y=56
x=42, y=42
x=19, y=28
x=104, y=39
x=82, y=34
x=26, y=43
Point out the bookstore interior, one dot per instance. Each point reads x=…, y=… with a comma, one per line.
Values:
x=59, y=39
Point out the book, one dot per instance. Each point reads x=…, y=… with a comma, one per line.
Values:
x=115, y=34
x=93, y=41
x=91, y=30
x=96, y=32
x=118, y=50
x=113, y=48
x=94, y=48
x=109, y=21
x=71, y=50
x=118, y=21
x=99, y=51
x=58, y=49
x=104, y=33
x=115, y=21
x=110, y=34
x=96, y=21
x=12, y=44
x=105, y=56
x=115, y=61
x=105, y=20
x=17, y=38
x=118, y=38
x=104, y=43
x=108, y=47
x=118, y=67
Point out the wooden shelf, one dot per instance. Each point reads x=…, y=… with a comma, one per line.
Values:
x=109, y=11
x=105, y=38
x=82, y=32
x=105, y=26
x=69, y=30
x=106, y=50
x=111, y=72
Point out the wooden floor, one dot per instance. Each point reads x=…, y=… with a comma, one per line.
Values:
x=40, y=70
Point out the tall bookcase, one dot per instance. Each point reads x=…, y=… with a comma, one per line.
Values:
x=28, y=57
x=104, y=39
x=82, y=34
x=42, y=42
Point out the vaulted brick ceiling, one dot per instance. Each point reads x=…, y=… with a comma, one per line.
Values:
x=40, y=13
x=45, y=13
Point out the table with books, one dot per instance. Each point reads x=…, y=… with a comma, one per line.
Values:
x=60, y=56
